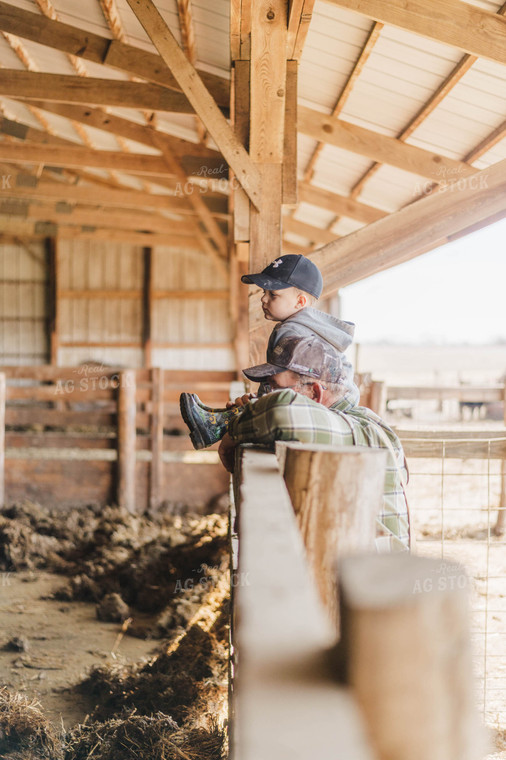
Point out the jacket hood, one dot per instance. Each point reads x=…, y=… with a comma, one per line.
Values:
x=335, y=331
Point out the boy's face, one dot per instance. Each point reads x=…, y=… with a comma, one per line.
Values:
x=278, y=305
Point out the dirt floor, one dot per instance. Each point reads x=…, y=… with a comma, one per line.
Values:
x=114, y=635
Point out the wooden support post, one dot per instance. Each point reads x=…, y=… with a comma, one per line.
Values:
x=378, y=397
x=500, y=525
x=336, y=493
x=241, y=116
x=267, y=125
x=407, y=655
x=147, y=295
x=239, y=307
x=126, y=440
x=156, y=471
x=53, y=298
x=3, y=393
x=290, y=137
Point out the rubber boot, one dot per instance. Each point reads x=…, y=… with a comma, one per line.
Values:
x=206, y=425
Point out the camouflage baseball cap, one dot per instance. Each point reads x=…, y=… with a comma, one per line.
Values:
x=310, y=356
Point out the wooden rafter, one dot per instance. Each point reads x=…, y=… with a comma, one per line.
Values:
x=415, y=229
x=316, y=235
x=451, y=22
x=200, y=98
x=453, y=78
x=64, y=88
x=93, y=47
x=131, y=130
x=135, y=163
x=339, y=204
x=104, y=197
x=372, y=144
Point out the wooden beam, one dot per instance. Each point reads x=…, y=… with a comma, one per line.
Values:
x=453, y=78
x=451, y=22
x=98, y=196
x=240, y=110
x=314, y=234
x=15, y=227
x=134, y=163
x=299, y=18
x=240, y=30
x=119, y=125
x=267, y=124
x=115, y=219
x=198, y=95
x=92, y=47
x=290, y=135
x=339, y=204
x=63, y=88
x=377, y=147
x=413, y=230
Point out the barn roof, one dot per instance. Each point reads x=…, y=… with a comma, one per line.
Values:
x=396, y=102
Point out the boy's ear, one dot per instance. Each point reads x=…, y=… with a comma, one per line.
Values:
x=302, y=301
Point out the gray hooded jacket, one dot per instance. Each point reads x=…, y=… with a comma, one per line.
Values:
x=335, y=331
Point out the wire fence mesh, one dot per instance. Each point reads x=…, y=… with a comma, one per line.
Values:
x=456, y=508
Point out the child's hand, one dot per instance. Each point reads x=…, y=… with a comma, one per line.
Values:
x=241, y=400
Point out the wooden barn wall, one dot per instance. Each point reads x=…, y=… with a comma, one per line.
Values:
x=191, y=333
x=106, y=327
x=23, y=304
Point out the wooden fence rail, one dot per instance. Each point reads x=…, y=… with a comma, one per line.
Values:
x=76, y=435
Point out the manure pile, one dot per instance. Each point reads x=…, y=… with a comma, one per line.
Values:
x=163, y=577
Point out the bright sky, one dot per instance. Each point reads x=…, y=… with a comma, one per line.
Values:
x=454, y=294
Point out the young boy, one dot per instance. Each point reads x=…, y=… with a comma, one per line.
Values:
x=291, y=284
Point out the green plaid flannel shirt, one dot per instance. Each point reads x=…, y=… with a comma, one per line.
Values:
x=289, y=416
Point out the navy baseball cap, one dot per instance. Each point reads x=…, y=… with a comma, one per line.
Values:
x=310, y=356
x=291, y=271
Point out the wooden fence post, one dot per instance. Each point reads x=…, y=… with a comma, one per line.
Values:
x=336, y=493
x=126, y=440
x=500, y=525
x=156, y=433
x=3, y=391
x=407, y=655
x=378, y=397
